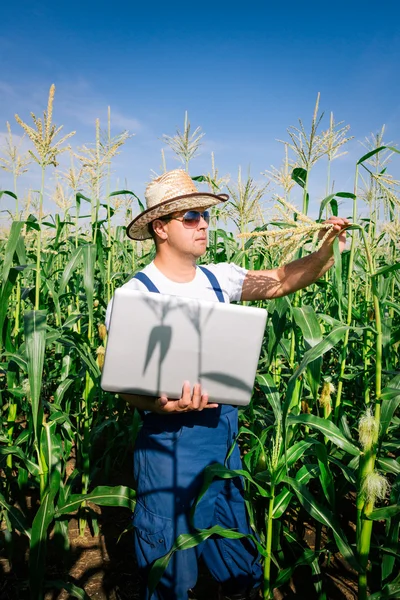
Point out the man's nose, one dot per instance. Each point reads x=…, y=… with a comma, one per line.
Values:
x=203, y=223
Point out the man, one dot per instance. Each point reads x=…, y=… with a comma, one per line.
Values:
x=180, y=438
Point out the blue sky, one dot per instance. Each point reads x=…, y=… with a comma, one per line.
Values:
x=243, y=71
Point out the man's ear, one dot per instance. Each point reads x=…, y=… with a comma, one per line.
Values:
x=159, y=229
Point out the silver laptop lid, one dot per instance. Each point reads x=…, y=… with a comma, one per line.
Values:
x=156, y=342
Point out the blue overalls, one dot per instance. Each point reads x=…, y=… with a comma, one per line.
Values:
x=170, y=456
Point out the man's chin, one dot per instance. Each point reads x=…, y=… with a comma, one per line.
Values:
x=199, y=252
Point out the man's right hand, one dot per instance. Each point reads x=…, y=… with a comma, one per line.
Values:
x=188, y=402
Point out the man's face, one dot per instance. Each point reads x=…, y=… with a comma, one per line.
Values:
x=184, y=239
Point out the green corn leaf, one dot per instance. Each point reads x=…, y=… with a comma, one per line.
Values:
x=386, y=270
x=73, y=590
x=384, y=513
x=321, y=348
x=389, y=465
x=314, y=563
x=331, y=199
x=21, y=253
x=306, y=318
x=390, y=401
x=292, y=455
x=16, y=517
x=219, y=471
x=50, y=446
x=299, y=175
x=22, y=438
x=206, y=179
x=324, y=516
x=61, y=536
x=89, y=266
x=62, y=390
x=78, y=198
x=389, y=591
x=52, y=292
x=303, y=475
x=8, y=193
x=278, y=310
x=312, y=354
x=328, y=200
x=346, y=195
x=189, y=540
x=396, y=307
x=371, y=153
x=5, y=293
x=281, y=503
x=71, y=339
x=267, y=385
x=32, y=223
x=71, y=320
x=307, y=472
x=12, y=242
x=306, y=558
x=260, y=443
x=325, y=477
x=329, y=429
x=392, y=538
x=102, y=495
x=17, y=451
x=388, y=551
x=349, y=473
x=38, y=545
x=35, y=342
x=69, y=270
x=19, y=360
x=124, y=192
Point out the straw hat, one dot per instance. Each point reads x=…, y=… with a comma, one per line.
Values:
x=166, y=194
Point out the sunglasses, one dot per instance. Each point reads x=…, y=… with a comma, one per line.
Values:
x=191, y=218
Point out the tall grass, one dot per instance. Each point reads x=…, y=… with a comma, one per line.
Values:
x=322, y=432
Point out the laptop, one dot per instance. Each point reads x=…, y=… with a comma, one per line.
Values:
x=156, y=342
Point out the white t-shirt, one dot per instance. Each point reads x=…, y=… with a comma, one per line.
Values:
x=230, y=278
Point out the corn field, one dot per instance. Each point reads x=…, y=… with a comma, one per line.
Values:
x=320, y=439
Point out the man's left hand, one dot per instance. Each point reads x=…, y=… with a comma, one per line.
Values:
x=340, y=225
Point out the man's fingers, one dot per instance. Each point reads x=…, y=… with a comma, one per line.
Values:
x=339, y=226
x=196, y=398
x=203, y=401
x=188, y=402
x=338, y=223
x=186, y=399
x=161, y=401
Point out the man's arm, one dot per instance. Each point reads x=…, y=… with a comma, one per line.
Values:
x=188, y=402
x=274, y=283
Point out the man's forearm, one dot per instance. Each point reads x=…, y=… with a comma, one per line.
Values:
x=302, y=273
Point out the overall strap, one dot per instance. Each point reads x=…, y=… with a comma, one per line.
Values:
x=142, y=277
x=214, y=283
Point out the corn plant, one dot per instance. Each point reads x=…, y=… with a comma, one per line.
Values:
x=322, y=430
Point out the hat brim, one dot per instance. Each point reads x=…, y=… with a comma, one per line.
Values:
x=138, y=230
